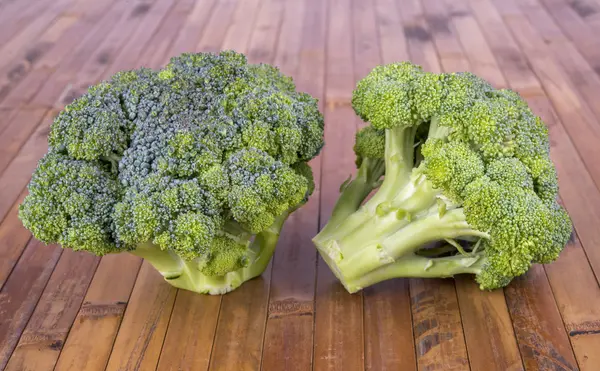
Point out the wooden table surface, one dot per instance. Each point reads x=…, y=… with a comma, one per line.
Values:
x=72, y=311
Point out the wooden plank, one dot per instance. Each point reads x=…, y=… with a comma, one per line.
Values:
x=66, y=70
x=115, y=49
x=18, y=173
x=578, y=299
x=147, y=33
x=14, y=18
x=238, y=340
x=125, y=30
x=473, y=44
x=540, y=333
x=10, y=48
x=263, y=44
x=16, y=71
x=189, y=340
x=191, y=31
x=17, y=132
x=575, y=27
x=418, y=35
x=214, y=33
x=158, y=54
x=490, y=338
x=62, y=51
x=91, y=340
x=367, y=53
x=391, y=34
x=578, y=296
x=339, y=343
x=140, y=338
x=443, y=33
x=537, y=349
x=13, y=239
x=104, y=309
x=291, y=35
x=6, y=116
x=389, y=342
x=439, y=341
x=288, y=343
x=239, y=32
x=94, y=330
x=21, y=293
x=581, y=74
x=47, y=329
x=388, y=331
x=47, y=358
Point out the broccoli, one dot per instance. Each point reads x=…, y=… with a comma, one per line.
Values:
x=194, y=168
x=461, y=183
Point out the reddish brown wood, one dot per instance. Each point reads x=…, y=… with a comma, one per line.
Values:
x=17, y=132
x=13, y=239
x=540, y=333
x=141, y=334
x=439, y=340
x=21, y=293
x=339, y=343
x=189, y=340
x=94, y=330
x=43, y=338
x=545, y=49
x=289, y=331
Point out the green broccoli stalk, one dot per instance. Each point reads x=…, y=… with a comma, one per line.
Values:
x=464, y=165
x=195, y=168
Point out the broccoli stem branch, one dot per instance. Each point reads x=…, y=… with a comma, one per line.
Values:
x=354, y=193
x=186, y=275
x=419, y=267
x=348, y=212
x=364, y=253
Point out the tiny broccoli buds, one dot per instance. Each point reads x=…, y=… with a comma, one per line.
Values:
x=463, y=183
x=194, y=167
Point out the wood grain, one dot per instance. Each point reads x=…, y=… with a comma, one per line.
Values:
x=339, y=343
x=13, y=240
x=43, y=338
x=541, y=336
x=94, y=330
x=288, y=343
x=54, y=314
x=142, y=331
x=21, y=293
x=439, y=339
x=189, y=340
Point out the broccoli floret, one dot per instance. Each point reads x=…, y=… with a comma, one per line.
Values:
x=194, y=167
x=467, y=184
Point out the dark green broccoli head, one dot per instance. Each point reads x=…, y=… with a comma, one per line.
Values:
x=173, y=157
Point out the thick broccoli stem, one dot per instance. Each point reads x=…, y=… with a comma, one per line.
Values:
x=354, y=193
x=348, y=213
x=419, y=267
x=399, y=160
x=186, y=275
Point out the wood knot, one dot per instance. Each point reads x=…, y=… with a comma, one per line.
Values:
x=290, y=307
x=94, y=311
